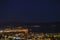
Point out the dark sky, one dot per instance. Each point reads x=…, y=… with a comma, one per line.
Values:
x=29, y=10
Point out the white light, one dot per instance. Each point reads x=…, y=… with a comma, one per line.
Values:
x=36, y=26
x=53, y=25
x=1, y=31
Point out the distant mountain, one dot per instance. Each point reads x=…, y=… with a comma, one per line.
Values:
x=38, y=23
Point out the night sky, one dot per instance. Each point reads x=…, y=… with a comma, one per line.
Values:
x=29, y=10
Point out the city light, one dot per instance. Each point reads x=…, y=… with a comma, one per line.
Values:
x=36, y=26
x=1, y=31
x=24, y=34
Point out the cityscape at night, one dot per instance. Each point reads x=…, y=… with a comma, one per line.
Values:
x=29, y=19
x=30, y=31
